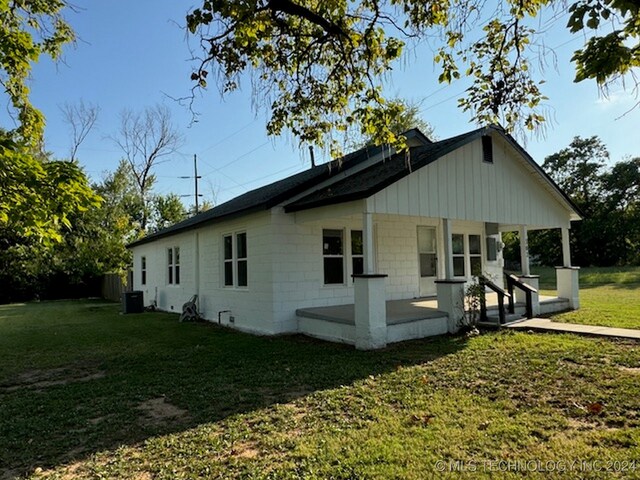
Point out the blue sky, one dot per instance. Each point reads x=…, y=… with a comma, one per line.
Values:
x=134, y=54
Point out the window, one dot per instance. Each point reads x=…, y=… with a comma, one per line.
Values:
x=487, y=149
x=427, y=251
x=457, y=244
x=235, y=260
x=467, y=254
x=357, y=258
x=228, y=261
x=241, y=243
x=475, y=255
x=173, y=265
x=333, y=256
x=143, y=270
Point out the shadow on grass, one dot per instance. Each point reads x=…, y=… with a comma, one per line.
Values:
x=77, y=380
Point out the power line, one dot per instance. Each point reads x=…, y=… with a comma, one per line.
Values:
x=242, y=185
x=217, y=169
x=229, y=136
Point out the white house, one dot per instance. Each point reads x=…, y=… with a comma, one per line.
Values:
x=370, y=249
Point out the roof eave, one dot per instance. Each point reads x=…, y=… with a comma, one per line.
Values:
x=162, y=234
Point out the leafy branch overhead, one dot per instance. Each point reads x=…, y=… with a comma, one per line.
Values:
x=318, y=66
x=28, y=29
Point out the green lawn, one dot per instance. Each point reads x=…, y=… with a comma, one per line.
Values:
x=608, y=296
x=86, y=392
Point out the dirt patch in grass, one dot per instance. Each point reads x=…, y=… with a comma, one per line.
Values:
x=40, y=379
x=158, y=411
x=247, y=450
x=635, y=370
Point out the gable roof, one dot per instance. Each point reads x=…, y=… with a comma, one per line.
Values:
x=266, y=197
x=382, y=174
x=379, y=175
x=365, y=183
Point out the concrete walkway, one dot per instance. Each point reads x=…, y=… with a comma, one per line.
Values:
x=546, y=325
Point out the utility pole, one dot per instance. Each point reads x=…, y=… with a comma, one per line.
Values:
x=195, y=177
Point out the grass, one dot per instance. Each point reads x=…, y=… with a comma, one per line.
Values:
x=86, y=392
x=608, y=296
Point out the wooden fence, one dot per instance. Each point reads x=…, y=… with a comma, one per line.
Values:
x=113, y=287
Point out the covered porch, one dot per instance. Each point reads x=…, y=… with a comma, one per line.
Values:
x=434, y=229
x=405, y=319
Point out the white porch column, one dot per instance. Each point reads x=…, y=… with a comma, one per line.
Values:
x=524, y=251
x=367, y=242
x=568, y=277
x=370, y=311
x=451, y=301
x=566, y=248
x=450, y=292
x=568, y=285
x=448, y=248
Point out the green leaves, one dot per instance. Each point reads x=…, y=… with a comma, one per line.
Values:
x=28, y=29
x=605, y=58
x=316, y=64
x=38, y=197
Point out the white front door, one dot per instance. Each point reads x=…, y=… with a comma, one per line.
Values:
x=427, y=260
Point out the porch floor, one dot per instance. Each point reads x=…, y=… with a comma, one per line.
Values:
x=404, y=311
x=398, y=311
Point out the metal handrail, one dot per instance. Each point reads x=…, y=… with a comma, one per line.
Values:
x=513, y=281
x=484, y=281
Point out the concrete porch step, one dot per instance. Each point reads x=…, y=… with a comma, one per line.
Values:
x=494, y=320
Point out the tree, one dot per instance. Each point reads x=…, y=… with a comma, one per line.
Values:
x=122, y=208
x=408, y=118
x=578, y=169
x=38, y=196
x=146, y=139
x=81, y=118
x=318, y=67
x=40, y=201
x=168, y=210
x=28, y=29
x=609, y=198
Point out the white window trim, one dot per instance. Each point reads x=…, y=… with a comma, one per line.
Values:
x=467, y=253
x=143, y=270
x=173, y=266
x=351, y=254
x=234, y=260
x=347, y=255
x=345, y=248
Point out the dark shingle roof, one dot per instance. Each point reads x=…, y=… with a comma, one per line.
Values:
x=380, y=175
x=354, y=187
x=268, y=196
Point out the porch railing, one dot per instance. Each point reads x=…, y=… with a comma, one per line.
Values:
x=501, y=293
x=512, y=283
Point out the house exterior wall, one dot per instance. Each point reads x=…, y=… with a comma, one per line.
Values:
x=461, y=186
x=285, y=251
x=298, y=272
x=250, y=307
x=298, y=275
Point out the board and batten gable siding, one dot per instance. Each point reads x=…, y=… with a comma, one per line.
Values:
x=461, y=186
x=251, y=307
